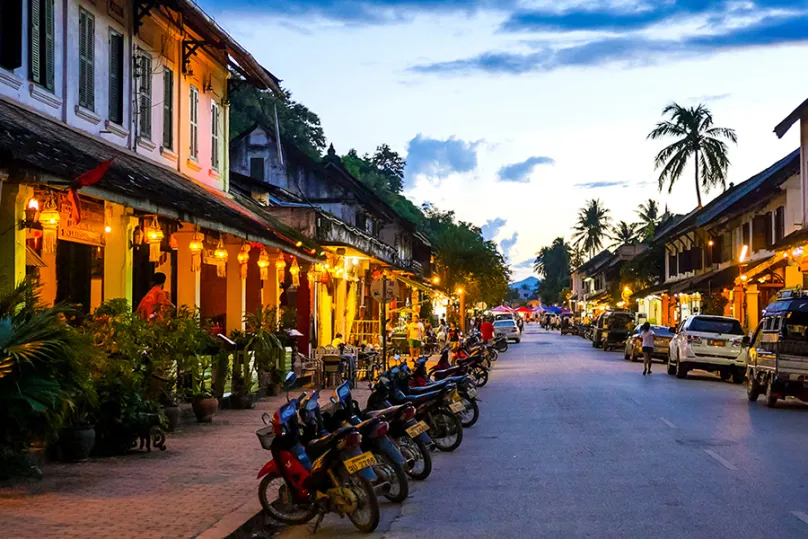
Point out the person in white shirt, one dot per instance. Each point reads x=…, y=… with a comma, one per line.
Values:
x=647, y=336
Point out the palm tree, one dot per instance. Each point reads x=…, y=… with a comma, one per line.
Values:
x=624, y=233
x=697, y=140
x=591, y=227
x=576, y=256
x=648, y=213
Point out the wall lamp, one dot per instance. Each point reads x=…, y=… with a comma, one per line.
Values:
x=31, y=211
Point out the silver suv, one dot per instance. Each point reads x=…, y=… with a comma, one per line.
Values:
x=709, y=343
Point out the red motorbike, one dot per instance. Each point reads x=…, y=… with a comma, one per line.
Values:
x=300, y=483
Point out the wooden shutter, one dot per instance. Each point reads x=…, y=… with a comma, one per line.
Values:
x=758, y=233
x=49, y=52
x=716, y=250
x=168, y=108
x=697, y=258
x=257, y=168
x=11, y=34
x=745, y=234
x=86, y=56
x=214, y=136
x=36, y=41
x=726, y=247
x=673, y=268
x=116, y=77
x=145, y=97
x=779, y=223
x=769, y=224
x=194, y=113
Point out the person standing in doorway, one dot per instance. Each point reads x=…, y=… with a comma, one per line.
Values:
x=415, y=335
x=155, y=304
x=647, y=336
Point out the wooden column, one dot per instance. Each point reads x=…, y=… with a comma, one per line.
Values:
x=235, y=289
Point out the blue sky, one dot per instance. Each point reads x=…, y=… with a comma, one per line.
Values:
x=514, y=113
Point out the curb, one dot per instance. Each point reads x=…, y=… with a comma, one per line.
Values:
x=245, y=522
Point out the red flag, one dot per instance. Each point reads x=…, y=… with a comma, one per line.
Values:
x=85, y=180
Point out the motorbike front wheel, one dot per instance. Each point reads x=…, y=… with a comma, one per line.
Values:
x=445, y=429
x=366, y=517
x=480, y=377
x=419, y=453
x=494, y=355
x=471, y=414
x=276, y=499
x=502, y=346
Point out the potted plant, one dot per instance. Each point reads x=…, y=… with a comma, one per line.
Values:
x=203, y=402
x=264, y=348
x=77, y=436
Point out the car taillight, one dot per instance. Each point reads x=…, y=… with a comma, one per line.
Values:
x=380, y=430
x=408, y=413
x=736, y=342
x=351, y=441
x=513, y=330
x=694, y=339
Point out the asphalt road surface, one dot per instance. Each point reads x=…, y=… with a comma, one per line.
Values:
x=575, y=442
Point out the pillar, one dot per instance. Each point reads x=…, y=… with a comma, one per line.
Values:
x=234, y=315
x=664, y=318
x=793, y=277
x=12, y=239
x=324, y=313
x=118, y=254
x=738, y=297
x=188, y=282
x=340, y=307
x=414, y=302
x=304, y=311
x=462, y=312
x=752, y=306
x=271, y=289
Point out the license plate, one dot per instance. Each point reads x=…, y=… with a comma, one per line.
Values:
x=418, y=428
x=457, y=407
x=456, y=397
x=361, y=462
x=720, y=344
x=472, y=391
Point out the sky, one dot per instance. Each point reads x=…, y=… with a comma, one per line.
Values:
x=515, y=113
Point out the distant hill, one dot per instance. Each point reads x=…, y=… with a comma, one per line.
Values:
x=531, y=283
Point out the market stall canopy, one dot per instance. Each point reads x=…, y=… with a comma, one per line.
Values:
x=502, y=309
x=554, y=310
x=524, y=310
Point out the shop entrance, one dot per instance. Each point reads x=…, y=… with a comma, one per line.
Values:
x=79, y=274
x=143, y=270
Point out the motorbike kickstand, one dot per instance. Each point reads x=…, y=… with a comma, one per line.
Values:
x=316, y=524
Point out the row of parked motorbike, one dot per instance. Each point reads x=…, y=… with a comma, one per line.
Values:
x=340, y=458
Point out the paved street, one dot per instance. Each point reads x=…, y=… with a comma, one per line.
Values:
x=575, y=442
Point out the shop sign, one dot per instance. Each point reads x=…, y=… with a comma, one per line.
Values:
x=90, y=230
x=804, y=265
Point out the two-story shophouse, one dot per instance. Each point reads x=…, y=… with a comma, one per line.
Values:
x=135, y=92
x=361, y=234
x=721, y=259
x=597, y=282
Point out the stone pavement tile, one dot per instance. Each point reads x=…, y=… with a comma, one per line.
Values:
x=206, y=473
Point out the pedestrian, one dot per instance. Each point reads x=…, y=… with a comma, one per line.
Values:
x=155, y=304
x=454, y=336
x=415, y=334
x=647, y=336
x=487, y=331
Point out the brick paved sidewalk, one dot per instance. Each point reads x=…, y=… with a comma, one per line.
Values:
x=206, y=473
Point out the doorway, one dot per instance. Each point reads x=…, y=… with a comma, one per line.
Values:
x=79, y=275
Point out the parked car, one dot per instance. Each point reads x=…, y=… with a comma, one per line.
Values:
x=709, y=343
x=611, y=329
x=662, y=340
x=507, y=329
x=778, y=354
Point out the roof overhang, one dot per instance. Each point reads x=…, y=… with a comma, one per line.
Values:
x=782, y=128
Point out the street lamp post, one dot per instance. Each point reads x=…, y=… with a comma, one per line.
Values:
x=742, y=278
x=461, y=293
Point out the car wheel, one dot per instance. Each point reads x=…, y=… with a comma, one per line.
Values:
x=518, y=340
x=671, y=367
x=738, y=376
x=752, y=390
x=681, y=370
x=633, y=355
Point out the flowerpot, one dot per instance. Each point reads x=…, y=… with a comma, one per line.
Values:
x=76, y=443
x=173, y=416
x=205, y=409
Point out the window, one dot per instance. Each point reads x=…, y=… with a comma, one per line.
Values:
x=696, y=257
x=779, y=223
x=11, y=34
x=168, y=109
x=726, y=247
x=759, y=236
x=214, y=135
x=673, y=268
x=194, y=119
x=86, y=58
x=41, y=38
x=144, y=76
x=717, y=249
x=257, y=168
x=715, y=325
x=116, y=78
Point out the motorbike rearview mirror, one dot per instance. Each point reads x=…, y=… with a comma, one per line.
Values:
x=265, y=418
x=289, y=382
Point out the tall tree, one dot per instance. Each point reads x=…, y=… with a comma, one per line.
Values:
x=297, y=122
x=697, y=140
x=592, y=226
x=553, y=265
x=623, y=233
x=576, y=256
x=648, y=212
x=391, y=165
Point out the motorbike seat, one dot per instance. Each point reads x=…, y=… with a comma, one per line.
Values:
x=418, y=400
x=319, y=445
x=441, y=374
x=435, y=386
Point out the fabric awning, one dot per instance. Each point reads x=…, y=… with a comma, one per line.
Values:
x=33, y=260
x=415, y=284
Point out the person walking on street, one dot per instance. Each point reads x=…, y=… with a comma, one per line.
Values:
x=415, y=335
x=487, y=331
x=647, y=336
